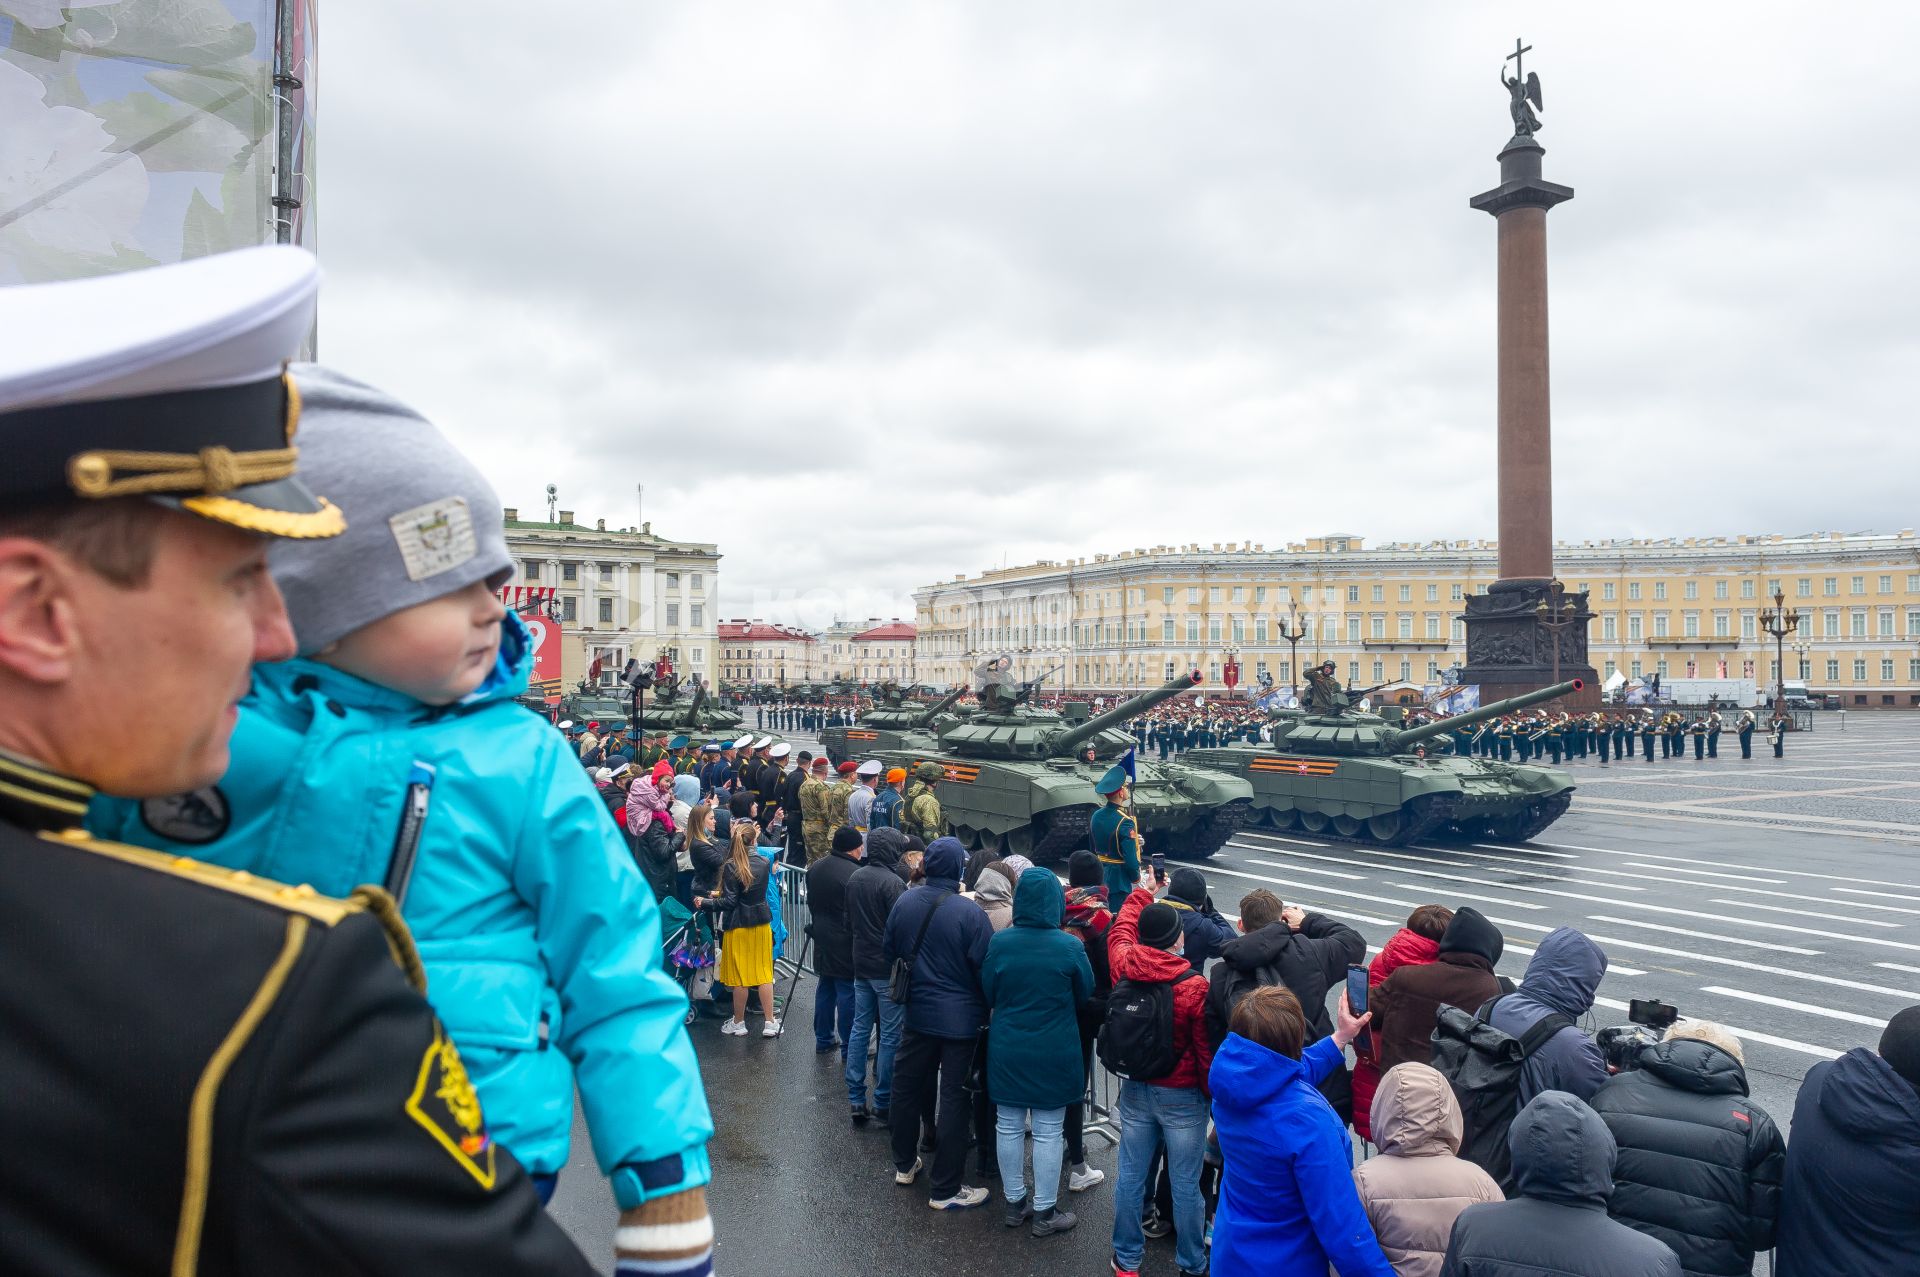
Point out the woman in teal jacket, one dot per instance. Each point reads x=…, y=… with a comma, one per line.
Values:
x=540, y=938
x=1035, y=977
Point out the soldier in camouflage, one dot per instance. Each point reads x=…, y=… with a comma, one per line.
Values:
x=814, y=831
x=923, y=818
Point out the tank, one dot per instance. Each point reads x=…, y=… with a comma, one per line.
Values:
x=1021, y=780
x=697, y=717
x=897, y=724
x=1357, y=776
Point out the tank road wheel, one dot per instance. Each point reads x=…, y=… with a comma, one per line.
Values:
x=969, y=837
x=1314, y=822
x=1280, y=819
x=1543, y=813
x=1017, y=842
x=1346, y=826
x=1212, y=831
x=1388, y=827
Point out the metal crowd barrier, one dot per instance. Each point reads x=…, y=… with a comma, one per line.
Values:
x=796, y=955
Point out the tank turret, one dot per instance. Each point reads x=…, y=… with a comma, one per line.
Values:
x=690, y=716
x=1352, y=734
x=1030, y=733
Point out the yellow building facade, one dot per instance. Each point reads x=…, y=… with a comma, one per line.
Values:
x=1677, y=607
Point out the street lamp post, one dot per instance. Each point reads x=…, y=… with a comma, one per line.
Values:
x=1291, y=632
x=1556, y=615
x=1233, y=665
x=1780, y=621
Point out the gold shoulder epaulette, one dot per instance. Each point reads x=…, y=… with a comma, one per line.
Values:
x=302, y=899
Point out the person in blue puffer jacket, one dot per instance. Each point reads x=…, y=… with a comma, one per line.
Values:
x=540, y=938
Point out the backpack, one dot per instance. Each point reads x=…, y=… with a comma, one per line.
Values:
x=1483, y=1064
x=1136, y=1040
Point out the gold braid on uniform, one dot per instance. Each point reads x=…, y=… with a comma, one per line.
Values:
x=399, y=940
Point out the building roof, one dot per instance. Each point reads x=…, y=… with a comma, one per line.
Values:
x=762, y=631
x=892, y=631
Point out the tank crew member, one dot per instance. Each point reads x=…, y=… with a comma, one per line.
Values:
x=1114, y=836
x=216, y=1073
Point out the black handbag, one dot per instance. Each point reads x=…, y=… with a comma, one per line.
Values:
x=900, y=981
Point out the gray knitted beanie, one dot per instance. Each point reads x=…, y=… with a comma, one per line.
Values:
x=421, y=521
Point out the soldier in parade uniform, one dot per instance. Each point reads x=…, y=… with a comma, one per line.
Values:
x=1745, y=731
x=1648, y=729
x=1777, y=732
x=1714, y=724
x=1698, y=730
x=207, y=1073
x=1113, y=834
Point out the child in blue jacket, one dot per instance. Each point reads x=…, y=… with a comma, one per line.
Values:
x=394, y=740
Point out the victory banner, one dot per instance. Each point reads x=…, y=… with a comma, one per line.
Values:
x=546, y=655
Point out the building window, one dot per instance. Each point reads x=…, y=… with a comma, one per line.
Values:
x=1859, y=624
x=1830, y=585
x=1213, y=632
x=1722, y=625
x=1607, y=629
x=1379, y=593
x=1858, y=585
x=1633, y=670
x=1633, y=591
x=1406, y=594
x=1690, y=625
x=606, y=611
x=1378, y=628
x=1457, y=594
x=1166, y=594
x=569, y=571
x=695, y=581
x=1353, y=630
x=1406, y=626
x=1913, y=583
x=1748, y=630
x=1193, y=630
x=1353, y=594
x=606, y=571
x=1886, y=670
x=1859, y=671
x=1830, y=625
x=567, y=609
x=673, y=616
x=673, y=580
x=1659, y=590
x=1166, y=629
x=1239, y=594
x=1886, y=625
x=1746, y=589
x=1239, y=629
x=1193, y=594
x=1719, y=589
x=1886, y=585
x=1433, y=594
x=1913, y=625
x=1459, y=630
x=1433, y=625
x=1660, y=668
x=1692, y=590
x=1260, y=629
x=1913, y=669
x=1259, y=594
x=533, y=569
x=1833, y=671
x=1659, y=624
x=699, y=656
x=696, y=609
x=1606, y=591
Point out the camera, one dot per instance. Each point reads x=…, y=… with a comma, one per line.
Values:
x=1621, y=1044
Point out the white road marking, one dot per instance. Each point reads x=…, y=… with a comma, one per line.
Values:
x=1727, y=864
x=1618, y=873
x=1899, y=966
x=1773, y=926
x=1838, y=983
x=1748, y=1035
x=1883, y=895
x=1480, y=882
x=1805, y=1007
x=1704, y=935
x=1807, y=913
x=1324, y=873
x=1298, y=842
x=1497, y=846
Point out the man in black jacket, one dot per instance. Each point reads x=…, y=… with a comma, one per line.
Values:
x=1557, y=1225
x=1699, y=1164
x=1309, y=953
x=870, y=894
x=827, y=880
x=1200, y=922
x=790, y=807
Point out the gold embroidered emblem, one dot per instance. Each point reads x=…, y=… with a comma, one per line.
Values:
x=445, y=1103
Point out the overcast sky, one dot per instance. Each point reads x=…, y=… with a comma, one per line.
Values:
x=874, y=293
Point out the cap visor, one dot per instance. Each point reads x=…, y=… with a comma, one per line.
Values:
x=279, y=508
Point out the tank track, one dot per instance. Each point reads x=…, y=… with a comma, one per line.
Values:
x=1066, y=833
x=1436, y=814
x=1211, y=832
x=1551, y=809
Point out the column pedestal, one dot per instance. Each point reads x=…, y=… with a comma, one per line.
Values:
x=1510, y=651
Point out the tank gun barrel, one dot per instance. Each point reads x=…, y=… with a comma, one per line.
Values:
x=1072, y=738
x=1414, y=735
x=691, y=715
x=945, y=703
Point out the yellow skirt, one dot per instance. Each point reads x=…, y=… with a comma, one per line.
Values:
x=746, y=957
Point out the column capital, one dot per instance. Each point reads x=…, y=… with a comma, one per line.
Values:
x=1521, y=185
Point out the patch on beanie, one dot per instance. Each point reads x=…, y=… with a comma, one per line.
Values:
x=434, y=538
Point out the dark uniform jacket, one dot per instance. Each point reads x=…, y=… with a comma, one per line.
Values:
x=212, y=1074
x=1699, y=1165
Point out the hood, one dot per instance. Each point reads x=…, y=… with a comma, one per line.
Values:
x=1415, y=1113
x=1564, y=973
x=1038, y=900
x=1562, y=1152
x=1404, y=948
x=1188, y=887
x=1470, y=932
x=1693, y=1065
x=1863, y=1096
x=993, y=888
x=946, y=858
x=292, y=680
x=885, y=847
x=687, y=790
x=512, y=665
x=1257, y=949
x=1245, y=1075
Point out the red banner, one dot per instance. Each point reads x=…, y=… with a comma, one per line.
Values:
x=546, y=656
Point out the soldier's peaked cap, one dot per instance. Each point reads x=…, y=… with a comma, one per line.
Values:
x=168, y=383
x=678, y=742
x=1111, y=782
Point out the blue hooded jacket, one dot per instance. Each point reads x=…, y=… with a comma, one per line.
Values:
x=1563, y=976
x=944, y=998
x=1288, y=1207
x=540, y=938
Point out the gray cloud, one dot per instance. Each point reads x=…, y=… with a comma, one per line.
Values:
x=871, y=294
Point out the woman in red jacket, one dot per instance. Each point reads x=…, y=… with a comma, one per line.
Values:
x=1415, y=944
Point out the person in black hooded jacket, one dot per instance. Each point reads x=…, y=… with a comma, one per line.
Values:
x=1557, y=1225
x=1700, y=1164
x=1202, y=924
x=1851, y=1200
x=1309, y=953
x=827, y=880
x=870, y=893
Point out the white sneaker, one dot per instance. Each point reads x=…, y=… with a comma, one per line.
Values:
x=965, y=1199
x=772, y=1029
x=1080, y=1180
x=734, y=1028
x=907, y=1177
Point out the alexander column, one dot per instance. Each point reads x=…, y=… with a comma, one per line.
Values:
x=1525, y=631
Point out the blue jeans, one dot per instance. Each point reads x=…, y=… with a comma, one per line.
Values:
x=832, y=999
x=873, y=1008
x=1010, y=1136
x=1149, y=1116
